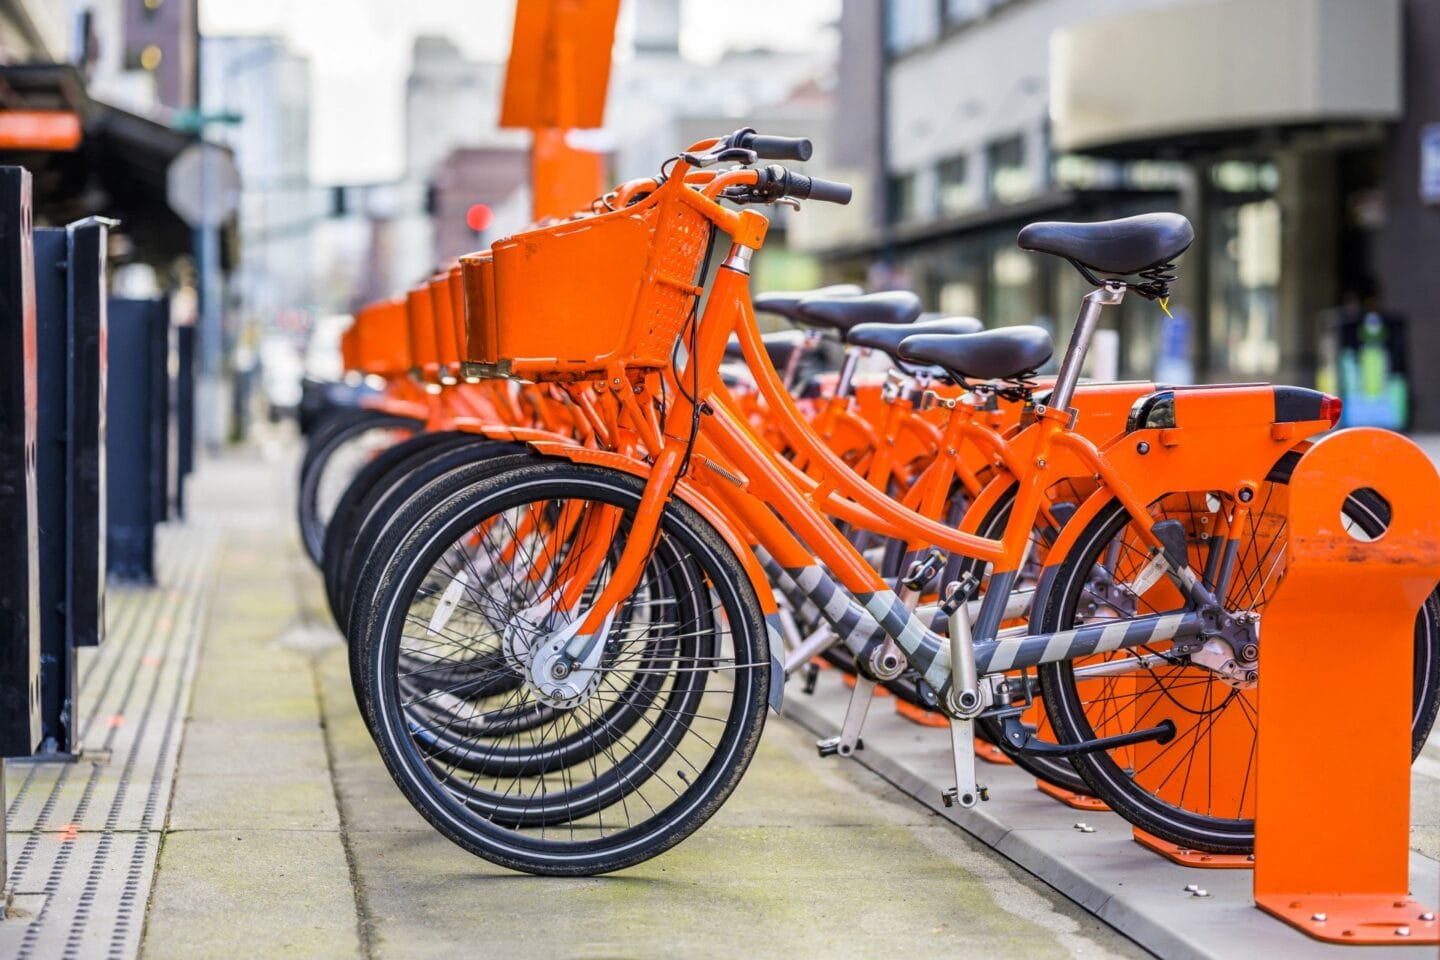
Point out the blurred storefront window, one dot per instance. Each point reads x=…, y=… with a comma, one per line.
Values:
x=1244, y=281
x=1010, y=177
x=1241, y=176
x=1070, y=171
x=956, y=192
x=1012, y=290
x=903, y=200
x=963, y=11
x=910, y=24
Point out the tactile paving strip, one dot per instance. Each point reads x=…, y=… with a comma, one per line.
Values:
x=84, y=835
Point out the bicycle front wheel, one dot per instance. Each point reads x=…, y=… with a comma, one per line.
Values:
x=534, y=785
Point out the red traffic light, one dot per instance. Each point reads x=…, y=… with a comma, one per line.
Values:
x=478, y=217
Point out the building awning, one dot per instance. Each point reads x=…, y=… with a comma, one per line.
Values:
x=117, y=170
x=1218, y=72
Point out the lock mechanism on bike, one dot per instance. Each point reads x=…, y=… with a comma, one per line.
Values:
x=923, y=571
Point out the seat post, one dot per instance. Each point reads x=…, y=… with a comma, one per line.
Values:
x=847, y=371
x=792, y=362
x=1112, y=293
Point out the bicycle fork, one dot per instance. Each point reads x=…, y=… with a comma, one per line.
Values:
x=564, y=667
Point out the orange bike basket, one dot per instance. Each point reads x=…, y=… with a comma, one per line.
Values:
x=582, y=299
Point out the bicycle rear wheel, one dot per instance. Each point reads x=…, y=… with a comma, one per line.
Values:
x=1197, y=789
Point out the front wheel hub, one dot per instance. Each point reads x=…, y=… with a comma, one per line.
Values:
x=559, y=680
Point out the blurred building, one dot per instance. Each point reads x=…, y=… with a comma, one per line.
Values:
x=456, y=156
x=492, y=181
x=452, y=138
x=1288, y=130
x=265, y=86
x=655, y=91
x=661, y=102
x=117, y=71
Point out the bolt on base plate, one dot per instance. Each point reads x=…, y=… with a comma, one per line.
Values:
x=1076, y=801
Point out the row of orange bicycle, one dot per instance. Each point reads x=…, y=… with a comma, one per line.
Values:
x=591, y=519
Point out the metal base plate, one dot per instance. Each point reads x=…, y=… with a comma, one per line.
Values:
x=1076, y=801
x=1194, y=858
x=1367, y=920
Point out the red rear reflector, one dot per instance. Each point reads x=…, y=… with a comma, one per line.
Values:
x=1330, y=408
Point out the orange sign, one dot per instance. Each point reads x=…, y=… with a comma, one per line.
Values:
x=559, y=63
x=39, y=130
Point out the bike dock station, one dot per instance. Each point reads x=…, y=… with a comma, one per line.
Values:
x=1333, y=874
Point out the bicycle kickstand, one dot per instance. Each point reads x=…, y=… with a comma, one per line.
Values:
x=849, y=739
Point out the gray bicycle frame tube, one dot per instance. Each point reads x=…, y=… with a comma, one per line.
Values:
x=929, y=652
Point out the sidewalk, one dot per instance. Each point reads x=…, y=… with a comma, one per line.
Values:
x=287, y=838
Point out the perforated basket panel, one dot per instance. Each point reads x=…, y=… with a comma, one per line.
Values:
x=680, y=238
x=575, y=300
x=564, y=295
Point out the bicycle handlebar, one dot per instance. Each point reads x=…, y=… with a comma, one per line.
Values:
x=773, y=148
x=802, y=187
x=776, y=182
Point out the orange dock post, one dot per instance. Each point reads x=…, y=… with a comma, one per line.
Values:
x=1336, y=650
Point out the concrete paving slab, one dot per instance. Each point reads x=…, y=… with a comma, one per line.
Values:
x=253, y=858
x=806, y=859
x=253, y=893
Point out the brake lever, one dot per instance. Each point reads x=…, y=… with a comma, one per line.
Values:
x=738, y=154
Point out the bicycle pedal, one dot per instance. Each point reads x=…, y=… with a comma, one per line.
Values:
x=809, y=674
x=833, y=747
x=951, y=796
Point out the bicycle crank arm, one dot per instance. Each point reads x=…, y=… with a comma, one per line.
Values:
x=966, y=791
x=849, y=740
x=1022, y=740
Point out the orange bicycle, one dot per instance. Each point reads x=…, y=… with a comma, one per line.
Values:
x=566, y=662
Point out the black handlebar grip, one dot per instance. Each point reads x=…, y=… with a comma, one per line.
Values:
x=779, y=148
x=813, y=188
